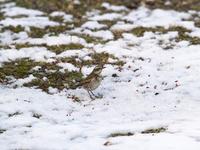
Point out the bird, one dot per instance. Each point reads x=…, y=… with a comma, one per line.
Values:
x=93, y=80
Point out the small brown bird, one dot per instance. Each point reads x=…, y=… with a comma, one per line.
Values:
x=92, y=81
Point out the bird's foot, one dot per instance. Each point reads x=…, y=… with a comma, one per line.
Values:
x=93, y=96
x=99, y=96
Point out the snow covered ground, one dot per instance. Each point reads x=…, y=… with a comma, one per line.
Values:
x=157, y=89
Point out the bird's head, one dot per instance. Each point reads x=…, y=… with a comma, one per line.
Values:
x=98, y=69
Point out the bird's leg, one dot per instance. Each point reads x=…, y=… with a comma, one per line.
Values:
x=97, y=96
x=91, y=94
x=100, y=95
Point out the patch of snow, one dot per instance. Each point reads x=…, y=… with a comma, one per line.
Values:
x=68, y=66
x=103, y=34
x=8, y=37
x=54, y=40
x=93, y=25
x=195, y=33
x=63, y=39
x=20, y=82
x=17, y=11
x=71, y=53
x=66, y=17
x=121, y=26
x=108, y=16
x=39, y=22
x=113, y=7
x=34, y=53
x=147, y=18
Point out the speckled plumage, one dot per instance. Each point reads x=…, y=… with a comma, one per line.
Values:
x=93, y=80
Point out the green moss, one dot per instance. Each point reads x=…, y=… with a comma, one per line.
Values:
x=5, y=47
x=86, y=5
x=183, y=36
x=109, y=23
x=182, y=33
x=15, y=29
x=18, y=69
x=19, y=16
x=179, y=29
x=27, y=45
x=53, y=5
x=54, y=48
x=96, y=58
x=73, y=60
x=36, y=32
x=61, y=48
x=117, y=134
x=180, y=5
x=44, y=5
x=139, y=31
x=57, y=79
x=90, y=39
x=117, y=61
x=49, y=74
x=1, y=16
x=77, y=10
x=196, y=7
x=2, y=77
x=57, y=29
x=59, y=19
x=154, y=130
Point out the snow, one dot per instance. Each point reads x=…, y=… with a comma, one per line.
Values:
x=68, y=66
x=147, y=18
x=54, y=40
x=67, y=17
x=121, y=26
x=93, y=25
x=71, y=53
x=114, y=8
x=63, y=39
x=103, y=34
x=155, y=88
x=15, y=11
x=20, y=82
x=34, y=53
x=8, y=37
x=30, y=18
x=108, y=16
x=39, y=22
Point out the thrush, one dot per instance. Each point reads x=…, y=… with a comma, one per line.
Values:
x=92, y=81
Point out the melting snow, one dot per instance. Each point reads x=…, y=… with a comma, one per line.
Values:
x=155, y=88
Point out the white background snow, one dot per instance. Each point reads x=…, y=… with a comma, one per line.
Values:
x=163, y=92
